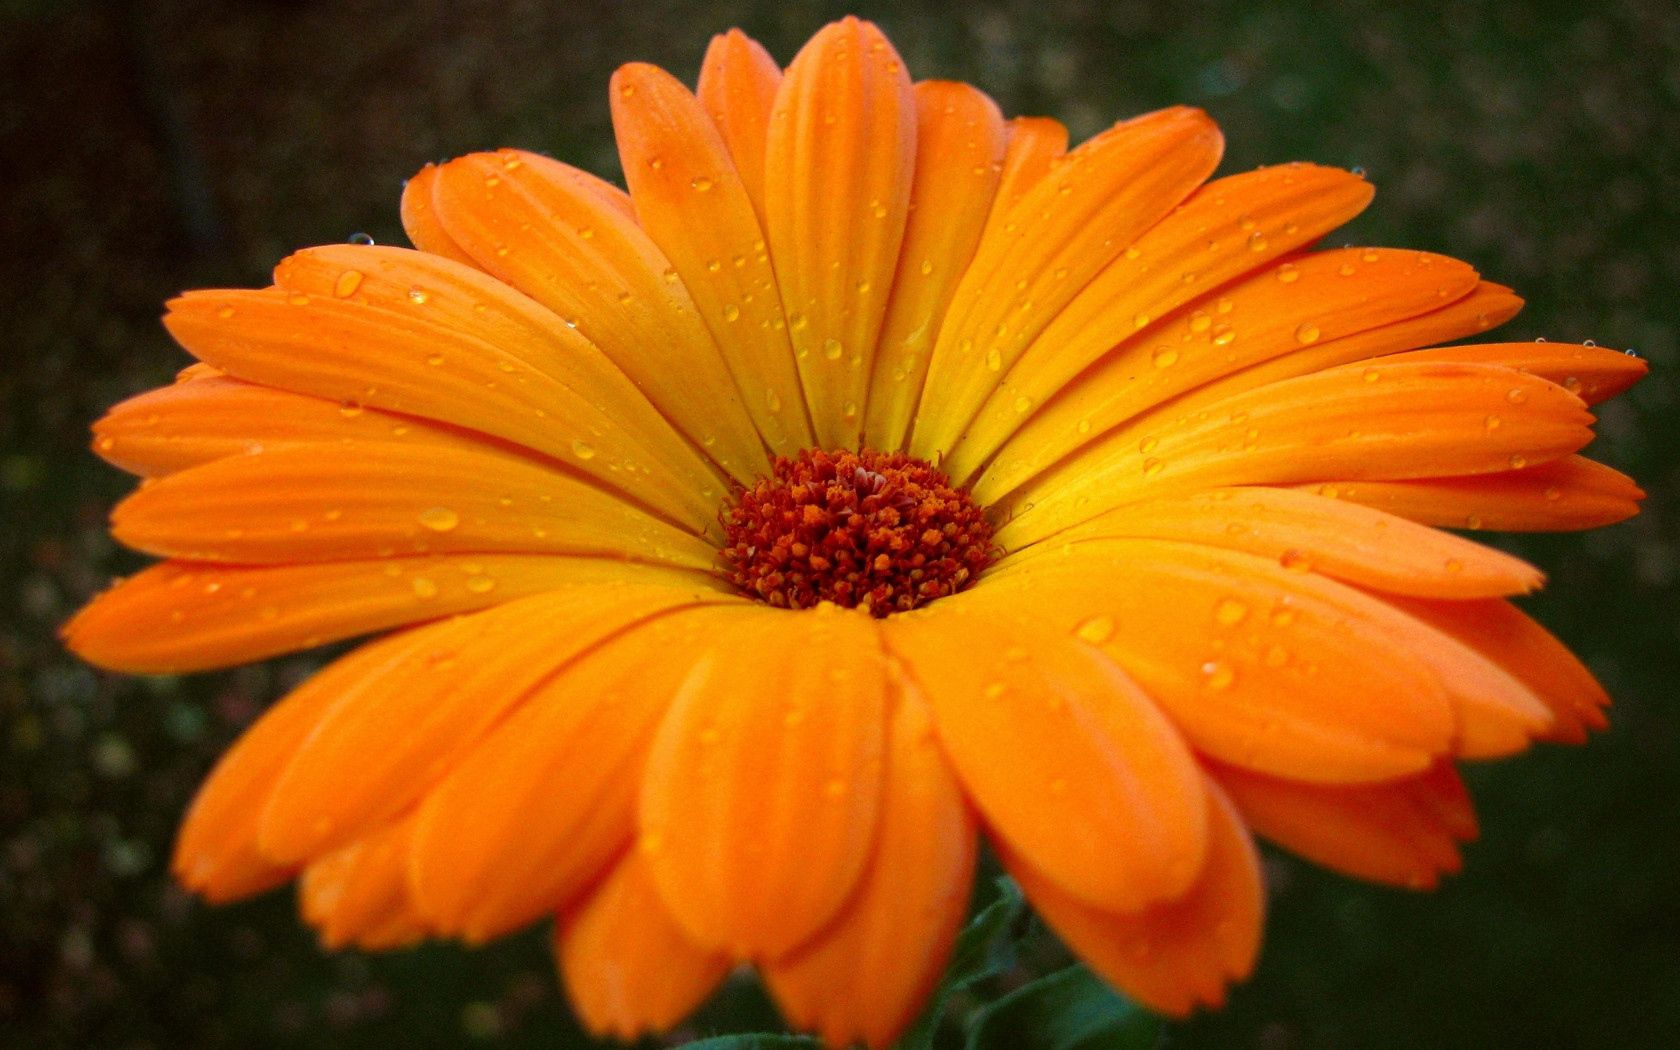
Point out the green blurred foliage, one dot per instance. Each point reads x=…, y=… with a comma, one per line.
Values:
x=149, y=146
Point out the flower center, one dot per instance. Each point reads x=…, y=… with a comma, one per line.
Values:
x=872, y=530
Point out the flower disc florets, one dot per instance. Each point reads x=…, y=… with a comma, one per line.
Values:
x=872, y=530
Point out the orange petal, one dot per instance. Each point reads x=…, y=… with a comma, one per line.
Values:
x=188, y=616
x=511, y=373
x=461, y=677
x=1524, y=649
x=628, y=968
x=1039, y=727
x=1344, y=540
x=1226, y=229
x=216, y=852
x=1256, y=664
x=545, y=229
x=959, y=150
x=421, y=223
x=1401, y=833
x=868, y=976
x=1260, y=318
x=1060, y=235
x=1181, y=954
x=498, y=846
x=694, y=205
x=176, y=427
x=363, y=500
x=1372, y=421
x=738, y=82
x=1565, y=494
x=358, y=895
x=1591, y=373
x=760, y=800
x=1486, y=306
x=1034, y=146
x=840, y=158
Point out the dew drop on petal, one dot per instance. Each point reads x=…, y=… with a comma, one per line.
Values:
x=1229, y=612
x=1217, y=675
x=439, y=519
x=1306, y=333
x=1096, y=630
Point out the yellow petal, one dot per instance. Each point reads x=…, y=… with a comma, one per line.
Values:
x=1228, y=228
x=544, y=228
x=738, y=83
x=1061, y=233
x=839, y=162
x=693, y=203
x=960, y=139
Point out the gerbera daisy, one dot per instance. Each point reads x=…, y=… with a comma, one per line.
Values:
x=876, y=474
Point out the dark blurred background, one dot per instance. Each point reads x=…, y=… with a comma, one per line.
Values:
x=147, y=147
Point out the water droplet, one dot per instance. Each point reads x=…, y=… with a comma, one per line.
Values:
x=1096, y=630
x=1472, y=521
x=418, y=296
x=994, y=359
x=1229, y=612
x=434, y=359
x=1288, y=274
x=1516, y=395
x=731, y=312
x=582, y=449
x=1295, y=561
x=1257, y=242
x=423, y=587
x=832, y=349
x=1553, y=495
x=772, y=400
x=480, y=584
x=1306, y=333
x=700, y=184
x=347, y=283
x=1151, y=467
x=1200, y=321
x=1023, y=405
x=363, y=239
x=1217, y=675
x=1371, y=375
x=1518, y=462
x=439, y=519
x=1164, y=357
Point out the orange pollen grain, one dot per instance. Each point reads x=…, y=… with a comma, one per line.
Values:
x=872, y=530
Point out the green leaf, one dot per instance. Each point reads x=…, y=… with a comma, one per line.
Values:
x=754, y=1041
x=1069, y=1010
x=980, y=952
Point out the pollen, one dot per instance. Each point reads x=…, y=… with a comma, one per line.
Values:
x=872, y=530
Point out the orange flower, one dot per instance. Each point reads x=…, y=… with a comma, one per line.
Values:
x=875, y=473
